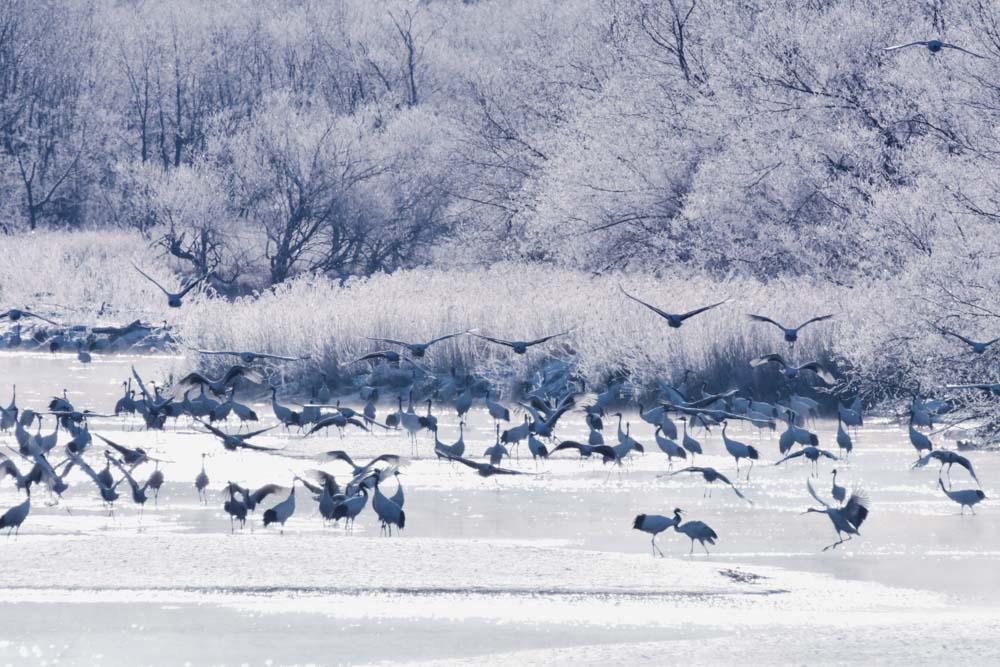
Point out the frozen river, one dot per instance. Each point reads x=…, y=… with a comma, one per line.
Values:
x=541, y=568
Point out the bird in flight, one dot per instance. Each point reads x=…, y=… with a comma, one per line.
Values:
x=520, y=346
x=338, y=419
x=486, y=469
x=389, y=355
x=813, y=454
x=710, y=475
x=675, y=320
x=792, y=372
x=586, y=450
x=235, y=441
x=791, y=333
x=220, y=385
x=362, y=471
x=173, y=298
x=418, y=350
x=933, y=45
x=977, y=347
x=988, y=387
x=132, y=457
x=250, y=357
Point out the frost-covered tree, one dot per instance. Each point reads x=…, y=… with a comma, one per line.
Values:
x=766, y=139
x=292, y=172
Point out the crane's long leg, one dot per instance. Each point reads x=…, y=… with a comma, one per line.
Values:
x=608, y=478
x=838, y=543
x=705, y=548
x=750, y=470
x=655, y=547
x=691, y=553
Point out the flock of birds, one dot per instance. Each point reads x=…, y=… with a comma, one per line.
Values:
x=554, y=393
x=211, y=403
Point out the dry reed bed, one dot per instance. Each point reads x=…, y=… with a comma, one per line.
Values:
x=71, y=274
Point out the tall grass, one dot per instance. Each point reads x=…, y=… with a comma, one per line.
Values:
x=878, y=331
x=68, y=275
x=609, y=335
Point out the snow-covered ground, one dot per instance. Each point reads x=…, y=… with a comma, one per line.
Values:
x=542, y=569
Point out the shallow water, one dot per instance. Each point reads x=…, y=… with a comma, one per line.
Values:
x=489, y=566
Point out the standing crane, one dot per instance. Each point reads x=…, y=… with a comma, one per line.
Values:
x=738, y=451
x=15, y=516
x=966, y=497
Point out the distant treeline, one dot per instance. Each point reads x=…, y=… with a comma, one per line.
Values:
x=260, y=141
